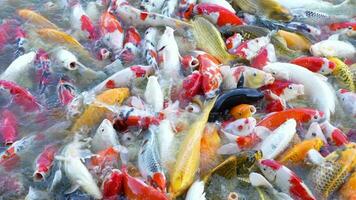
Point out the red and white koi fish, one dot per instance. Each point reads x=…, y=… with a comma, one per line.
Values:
x=132, y=117
x=222, y=3
x=315, y=64
x=152, y=5
x=153, y=94
x=333, y=135
x=274, y=103
x=185, y=9
x=81, y=22
x=66, y=91
x=20, y=69
x=263, y=56
x=342, y=25
x=240, y=127
x=132, y=42
x=8, y=127
x=317, y=89
x=192, y=85
x=189, y=63
x=136, y=189
x=285, y=179
x=123, y=78
x=347, y=100
x=168, y=54
x=285, y=89
x=169, y=7
x=113, y=185
x=21, y=42
x=217, y=14
x=44, y=162
x=211, y=75
x=136, y=17
x=149, y=46
x=112, y=32
x=42, y=64
x=21, y=96
x=149, y=161
x=233, y=42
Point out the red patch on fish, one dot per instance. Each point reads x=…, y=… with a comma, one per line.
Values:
x=88, y=26
x=143, y=15
x=338, y=137
x=113, y=185
x=139, y=71
x=297, y=188
x=210, y=71
x=110, y=84
x=260, y=60
x=272, y=164
x=132, y=36
x=109, y=23
x=277, y=87
x=246, y=142
x=8, y=127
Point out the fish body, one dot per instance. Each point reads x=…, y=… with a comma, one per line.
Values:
x=21, y=96
x=285, y=179
x=342, y=25
x=112, y=32
x=243, y=111
x=211, y=75
x=152, y=5
x=223, y=3
x=192, y=85
x=348, y=189
x=131, y=44
x=301, y=115
x=66, y=91
x=123, y=78
x=347, y=99
x=217, y=14
x=196, y=191
x=315, y=64
x=333, y=48
x=43, y=71
x=149, y=46
x=8, y=127
x=166, y=137
x=76, y=171
x=298, y=152
x=271, y=9
x=187, y=162
x=20, y=69
x=44, y=162
x=295, y=41
x=285, y=89
x=343, y=74
x=81, y=22
x=169, y=7
x=105, y=136
x=278, y=141
x=185, y=9
x=149, y=161
x=153, y=94
x=317, y=89
x=168, y=54
x=113, y=184
x=95, y=112
x=36, y=18
x=210, y=142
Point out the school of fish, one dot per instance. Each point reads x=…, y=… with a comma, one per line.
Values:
x=178, y=99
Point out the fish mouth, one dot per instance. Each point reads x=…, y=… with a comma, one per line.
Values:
x=269, y=79
x=39, y=176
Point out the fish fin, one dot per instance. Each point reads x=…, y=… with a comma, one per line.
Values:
x=57, y=178
x=72, y=189
x=61, y=158
x=230, y=148
x=229, y=136
x=258, y=180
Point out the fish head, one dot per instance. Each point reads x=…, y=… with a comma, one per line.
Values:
x=104, y=54
x=193, y=107
x=185, y=10
x=276, y=72
x=255, y=78
x=158, y=180
x=75, y=107
x=40, y=174
x=327, y=67
x=243, y=111
x=241, y=127
x=233, y=42
x=189, y=62
x=269, y=168
x=67, y=59
x=112, y=185
x=315, y=131
x=105, y=128
x=109, y=23
x=66, y=91
x=292, y=91
x=132, y=36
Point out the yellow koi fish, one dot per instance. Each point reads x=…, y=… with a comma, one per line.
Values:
x=36, y=18
x=95, y=112
x=343, y=74
x=295, y=41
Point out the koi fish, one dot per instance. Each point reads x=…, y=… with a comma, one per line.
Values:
x=252, y=77
x=20, y=69
x=298, y=152
x=196, y=191
x=112, y=32
x=8, y=127
x=315, y=131
x=285, y=179
x=168, y=7
x=347, y=99
x=76, y=171
x=223, y=3
x=21, y=96
x=185, y=9
x=333, y=134
x=333, y=48
x=149, y=161
x=285, y=89
x=113, y=184
x=44, y=162
x=343, y=74
x=342, y=25
x=153, y=94
x=192, y=85
x=131, y=44
x=295, y=41
x=42, y=64
x=188, y=155
x=348, y=189
x=210, y=142
x=66, y=91
x=81, y=22
x=36, y=18
x=315, y=64
x=105, y=137
x=211, y=75
x=217, y=14
x=149, y=46
x=95, y=112
x=301, y=115
x=243, y=111
x=318, y=90
x=123, y=78
x=165, y=136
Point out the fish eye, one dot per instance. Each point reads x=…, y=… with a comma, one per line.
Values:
x=290, y=87
x=254, y=74
x=316, y=116
x=314, y=134
x=102, y=130
x=274, y=73
x=343, y=99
